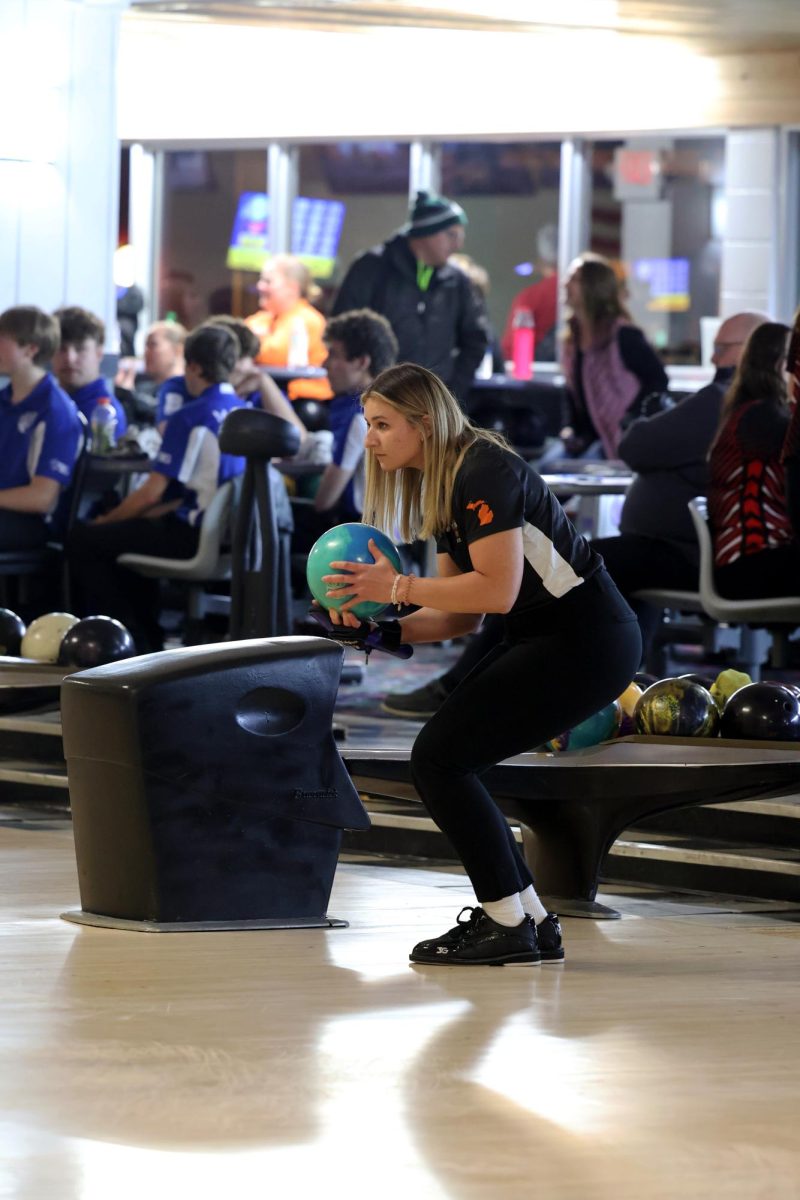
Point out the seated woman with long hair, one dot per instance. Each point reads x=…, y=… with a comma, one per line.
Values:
x=755, y=551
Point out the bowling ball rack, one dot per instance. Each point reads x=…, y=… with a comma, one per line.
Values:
x=559, y=801
x=573, y=806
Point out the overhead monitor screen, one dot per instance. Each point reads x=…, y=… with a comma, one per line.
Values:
x=316, y=230
x=666, y=281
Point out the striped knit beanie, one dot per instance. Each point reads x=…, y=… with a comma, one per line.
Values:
x=431, y=214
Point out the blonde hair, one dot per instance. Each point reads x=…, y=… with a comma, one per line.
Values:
x=173, y=331
x=419, y=504
x=296, y=270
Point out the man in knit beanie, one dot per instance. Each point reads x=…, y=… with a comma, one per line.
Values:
x=437, y=317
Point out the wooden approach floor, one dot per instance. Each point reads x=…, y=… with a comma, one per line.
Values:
x=662, y=1061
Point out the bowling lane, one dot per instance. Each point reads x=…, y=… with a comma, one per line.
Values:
x=315, y=1062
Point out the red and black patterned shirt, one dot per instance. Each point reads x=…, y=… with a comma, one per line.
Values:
x=746, y=499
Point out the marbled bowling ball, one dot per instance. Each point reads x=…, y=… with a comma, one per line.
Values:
x=347, y=543
x=763, y=712
x=598, y=728
x=676, y=708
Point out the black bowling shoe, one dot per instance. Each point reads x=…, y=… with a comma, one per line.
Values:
x=548, y=934
x=480, y=941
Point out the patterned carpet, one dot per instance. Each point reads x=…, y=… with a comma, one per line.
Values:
x=384, y=673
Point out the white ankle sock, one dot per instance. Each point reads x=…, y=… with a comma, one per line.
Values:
x=508, y=911
x=532, y=905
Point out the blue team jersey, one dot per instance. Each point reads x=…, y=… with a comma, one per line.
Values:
x=42, y=435
x=86, y=398
x=173, y=394
x=190, y=453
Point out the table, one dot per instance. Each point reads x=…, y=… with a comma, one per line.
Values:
x=283, y=375
x=106, y=470
x=582, y=483
x=600, y=487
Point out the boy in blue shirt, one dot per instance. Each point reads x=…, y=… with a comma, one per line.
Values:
x=360, y=344
x=40, y=431
x=77, y=363
x=163, y=516
x=254, y=386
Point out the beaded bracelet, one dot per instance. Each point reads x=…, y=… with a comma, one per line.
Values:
x=408, y=580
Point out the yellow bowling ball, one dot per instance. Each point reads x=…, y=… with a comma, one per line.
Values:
x=42, y=640
x=627, y=701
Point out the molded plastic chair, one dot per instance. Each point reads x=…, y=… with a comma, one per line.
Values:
x=210, y=564
x=766, y=612
x=764, y=624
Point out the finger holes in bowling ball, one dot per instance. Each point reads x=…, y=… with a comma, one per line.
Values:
x=269, y=712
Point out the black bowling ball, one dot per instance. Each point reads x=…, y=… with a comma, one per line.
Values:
x=763, y=712
x=645, y=679
x=95, y=641
x=12, y=631
x=314, y=415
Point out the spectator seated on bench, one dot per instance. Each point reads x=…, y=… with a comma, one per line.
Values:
x=360, y=345
x=77, y=363
x=750, y=558
x=656, y=548
x=41, y=434
x=163, y=516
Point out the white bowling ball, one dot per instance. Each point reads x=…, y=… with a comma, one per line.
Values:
x=42, y=640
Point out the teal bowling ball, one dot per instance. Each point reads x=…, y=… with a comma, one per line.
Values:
x=347, y=543
x=600, y=727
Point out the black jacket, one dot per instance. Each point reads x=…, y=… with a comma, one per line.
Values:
x=444, y=328
x=669, y=453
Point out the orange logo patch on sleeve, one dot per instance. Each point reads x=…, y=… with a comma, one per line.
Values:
x=485, y=514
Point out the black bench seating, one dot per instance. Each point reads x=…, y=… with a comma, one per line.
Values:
x=573, y=806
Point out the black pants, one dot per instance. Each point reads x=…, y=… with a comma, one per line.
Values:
x=21, y=531
x=539, y=682
x=478, y=646
x=636, y=562
x=101, y=586
x=770, y=573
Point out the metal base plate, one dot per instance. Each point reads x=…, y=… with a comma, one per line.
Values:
x=79, y=917
x=566, y=907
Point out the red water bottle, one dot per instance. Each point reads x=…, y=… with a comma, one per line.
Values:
x=523, y=343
